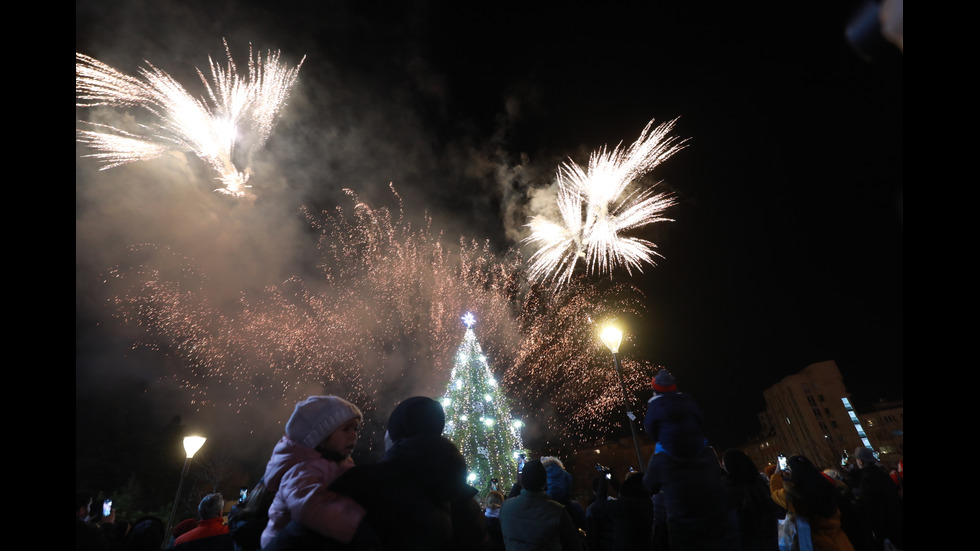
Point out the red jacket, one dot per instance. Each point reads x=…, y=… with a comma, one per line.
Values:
x=205, y=529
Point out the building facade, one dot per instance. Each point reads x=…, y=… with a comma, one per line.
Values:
x=810, y=414
x=884, y=423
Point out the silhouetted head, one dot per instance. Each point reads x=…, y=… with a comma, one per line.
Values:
x=211, y=506
x=739, y=466
x=534, y=477
x=416, y=416
x=865, y=455
x=495, y=499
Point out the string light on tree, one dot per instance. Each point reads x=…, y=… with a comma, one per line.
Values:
x=478, y=418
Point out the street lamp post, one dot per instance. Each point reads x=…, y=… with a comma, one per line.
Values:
x=612, y=338
x=191, y=445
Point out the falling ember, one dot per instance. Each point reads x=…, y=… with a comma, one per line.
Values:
x=382, y=319
x=205, y=127
x=597, y=206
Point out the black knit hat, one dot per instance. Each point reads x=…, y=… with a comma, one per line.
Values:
x=534, y=477
x=416, y=416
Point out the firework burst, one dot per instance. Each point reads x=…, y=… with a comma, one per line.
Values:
x=597, y=207
x=381, y=322
x=208, y=128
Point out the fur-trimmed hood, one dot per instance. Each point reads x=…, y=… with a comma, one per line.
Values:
x=549, y=460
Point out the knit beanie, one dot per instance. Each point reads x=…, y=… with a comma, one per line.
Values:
x=664, y=382
x=534, y=477
x=317, y=417
x=416, y=416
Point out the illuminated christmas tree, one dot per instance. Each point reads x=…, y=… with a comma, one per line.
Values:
x=478, y=418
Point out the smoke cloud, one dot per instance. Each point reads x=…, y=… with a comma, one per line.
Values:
x=344, y=127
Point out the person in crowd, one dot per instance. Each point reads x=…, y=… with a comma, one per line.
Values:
x=767, y=473
x=531, y=521
x=211, y=533
x=673, y=419
x=249, y=518
x=752, y=510
x=685, y=470
x=495, y=537
x=560, y=488
x=896, y=479
x=850, y=521
x=599, y=525
x=89, y=536
x=315, y=451
x=416, y=498
x=147, y=534
x=661, y=539
x=804, y=492
x=632, y=515
x=879, y=504
x=559, y=480
x=694, y=497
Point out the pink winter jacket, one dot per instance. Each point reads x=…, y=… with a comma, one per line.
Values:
x=300, y=476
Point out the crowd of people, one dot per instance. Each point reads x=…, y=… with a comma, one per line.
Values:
x=313, y=497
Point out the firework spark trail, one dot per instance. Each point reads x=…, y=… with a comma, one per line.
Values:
x=209, y=129
x=382, y=321
x=596, y=209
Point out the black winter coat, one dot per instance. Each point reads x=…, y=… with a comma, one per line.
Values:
x=416, y=499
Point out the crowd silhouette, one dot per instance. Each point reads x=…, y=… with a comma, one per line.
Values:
x=313, y=496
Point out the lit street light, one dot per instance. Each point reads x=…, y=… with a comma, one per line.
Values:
x=191, y=445
x=612, y=337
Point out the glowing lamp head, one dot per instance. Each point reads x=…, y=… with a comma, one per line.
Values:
x=192, y=444
x=611, y=337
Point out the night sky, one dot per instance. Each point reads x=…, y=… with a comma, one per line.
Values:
x=786, y=247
